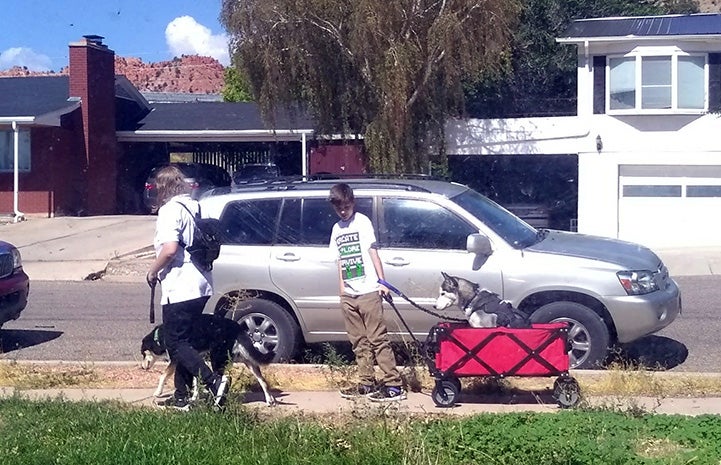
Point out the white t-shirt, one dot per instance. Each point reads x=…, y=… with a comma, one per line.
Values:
x=180, y=280
x=350, y=242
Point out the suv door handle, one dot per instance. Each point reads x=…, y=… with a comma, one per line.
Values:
x=288, y=257
x=397, y=261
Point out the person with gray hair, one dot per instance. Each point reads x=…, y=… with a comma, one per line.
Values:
x=185, y=288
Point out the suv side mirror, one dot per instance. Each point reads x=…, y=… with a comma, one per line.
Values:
x=478, y=244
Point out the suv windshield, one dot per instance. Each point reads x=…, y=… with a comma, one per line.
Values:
x=505, y=224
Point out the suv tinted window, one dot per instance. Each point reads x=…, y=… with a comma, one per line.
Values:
x=250, y=222
x=420, y=224
x=309, y=221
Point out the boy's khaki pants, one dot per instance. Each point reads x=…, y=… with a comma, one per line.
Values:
x=368, y=335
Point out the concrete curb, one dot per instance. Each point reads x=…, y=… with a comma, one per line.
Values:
x=311, y=389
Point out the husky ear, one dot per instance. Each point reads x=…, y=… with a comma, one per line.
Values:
x=449, y=278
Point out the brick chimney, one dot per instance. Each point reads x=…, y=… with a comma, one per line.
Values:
x=92, y=80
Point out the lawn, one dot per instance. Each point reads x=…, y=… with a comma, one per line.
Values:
x=68, y=433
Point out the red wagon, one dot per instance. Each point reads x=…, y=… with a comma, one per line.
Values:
x=457, y=350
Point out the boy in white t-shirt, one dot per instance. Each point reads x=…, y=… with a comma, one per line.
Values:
x=353, y=241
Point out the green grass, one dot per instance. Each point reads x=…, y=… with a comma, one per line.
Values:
x=62, y=432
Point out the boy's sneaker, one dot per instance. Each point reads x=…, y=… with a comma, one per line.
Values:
x=388, y=394
x=360, y=390
x=177, y=403
x=219, y=389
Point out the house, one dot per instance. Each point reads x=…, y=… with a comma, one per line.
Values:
x=644, y=140
x=61, y=131
x=85, y=143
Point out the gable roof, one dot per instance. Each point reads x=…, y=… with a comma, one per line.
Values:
x=42, y=100
x=690, y=26
x=33, y=97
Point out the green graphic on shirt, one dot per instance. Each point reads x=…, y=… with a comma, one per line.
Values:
x=351, y=258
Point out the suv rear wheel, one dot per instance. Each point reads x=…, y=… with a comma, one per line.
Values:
x=587, y=333
x=270, y=328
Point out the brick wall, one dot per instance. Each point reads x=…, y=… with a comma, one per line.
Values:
x=53, y=185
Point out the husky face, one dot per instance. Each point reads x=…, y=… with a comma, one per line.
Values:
x=448, y=293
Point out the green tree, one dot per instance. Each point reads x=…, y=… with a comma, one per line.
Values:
x=392, y=71
x=236, y=88
x=541, y=76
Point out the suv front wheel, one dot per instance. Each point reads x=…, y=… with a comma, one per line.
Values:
x=270, y=328
x=587, y=333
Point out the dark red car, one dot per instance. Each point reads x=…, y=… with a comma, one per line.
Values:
x=14, y=283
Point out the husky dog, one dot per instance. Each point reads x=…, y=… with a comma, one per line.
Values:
x=213, y=335
x=483, y=309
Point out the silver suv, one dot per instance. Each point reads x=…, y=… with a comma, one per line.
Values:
x=276, y=276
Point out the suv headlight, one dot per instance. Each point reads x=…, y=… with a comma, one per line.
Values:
x=17, y=260
x=638, y=282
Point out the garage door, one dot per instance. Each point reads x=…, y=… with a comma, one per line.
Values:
x=670, y=206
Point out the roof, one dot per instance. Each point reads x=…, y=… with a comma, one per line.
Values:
x=216, y=122
x=43, y=99
x=695, y=25
x=33, y=96
x=180, y=97
x=216, y=116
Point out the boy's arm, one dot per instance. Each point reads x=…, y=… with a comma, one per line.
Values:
x=340, y=278
x=378, y=265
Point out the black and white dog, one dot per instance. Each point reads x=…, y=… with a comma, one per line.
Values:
x=215, y=336
x=483, y=309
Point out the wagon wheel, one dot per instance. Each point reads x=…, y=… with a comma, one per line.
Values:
x=456, y=382
x=445, y=394
x=566, y=391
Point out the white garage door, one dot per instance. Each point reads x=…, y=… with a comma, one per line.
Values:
x=670, y=206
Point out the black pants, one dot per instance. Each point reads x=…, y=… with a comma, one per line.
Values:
x=179, y=321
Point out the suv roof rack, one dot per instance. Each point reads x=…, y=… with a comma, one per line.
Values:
x=387, y=181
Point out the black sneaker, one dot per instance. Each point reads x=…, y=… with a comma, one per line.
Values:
x=220, y=389
x=360, y=390
x=388, y=394
x=177, y=403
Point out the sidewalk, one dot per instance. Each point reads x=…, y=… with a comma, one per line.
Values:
x=114, y=247
x=329, y=402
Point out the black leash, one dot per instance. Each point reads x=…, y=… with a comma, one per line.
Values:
x=408, y=299
x=152, y=301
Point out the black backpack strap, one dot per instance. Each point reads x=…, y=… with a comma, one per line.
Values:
x=191, y=213
x=195, y=224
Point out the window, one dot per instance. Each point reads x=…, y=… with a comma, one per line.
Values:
x=250, y=222
x=7, y=151
x=419, y=224
x=310, y=221
x=667, y=83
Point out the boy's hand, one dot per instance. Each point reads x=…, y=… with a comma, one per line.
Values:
x=383, y=291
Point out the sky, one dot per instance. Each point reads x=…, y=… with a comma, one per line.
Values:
x=36, y=33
